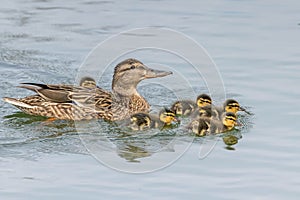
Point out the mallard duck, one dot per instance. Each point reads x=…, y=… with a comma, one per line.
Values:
x=143, y=121
x=187, y=107
x=80, y=102
x=206, y=126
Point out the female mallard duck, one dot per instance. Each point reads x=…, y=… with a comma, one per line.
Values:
x=143, y=121
x=206, y=126
x=80, y=102
x=187, y=107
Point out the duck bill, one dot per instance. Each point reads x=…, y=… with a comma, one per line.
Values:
x=153, y=73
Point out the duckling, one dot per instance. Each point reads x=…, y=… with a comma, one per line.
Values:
x=187, y=107
x=71, y=102
x=230, y=105
x=206, y=126
x=184, y=107
x=143, y=121
x=208, y=111
x=88, y=82
x=140, y=121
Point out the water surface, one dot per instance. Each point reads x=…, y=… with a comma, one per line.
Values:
x=256, y=48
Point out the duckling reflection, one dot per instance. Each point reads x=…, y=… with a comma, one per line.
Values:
x=132, y=153
x=144, y=121
x=230, y=140
x=206, y=126
x=187, y=107
x=134, y=147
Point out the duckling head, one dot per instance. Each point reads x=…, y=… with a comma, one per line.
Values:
x=203, y=100
x=129, y=73
x=177, y=108
x=206, y=111
x=231, y=105
x=229, y=120
x=88, y=82
x=140, y=121
x=167, y=116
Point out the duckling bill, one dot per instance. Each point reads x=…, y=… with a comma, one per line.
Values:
x=71, y=102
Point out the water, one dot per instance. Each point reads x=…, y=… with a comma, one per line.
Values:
x=256, y=48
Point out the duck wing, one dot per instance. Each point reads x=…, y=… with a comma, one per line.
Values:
x=52, y=93
x=68, y=93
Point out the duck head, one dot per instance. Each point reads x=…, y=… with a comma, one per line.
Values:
x=129, y=73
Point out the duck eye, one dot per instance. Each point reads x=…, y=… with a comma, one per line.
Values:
x=132, y=67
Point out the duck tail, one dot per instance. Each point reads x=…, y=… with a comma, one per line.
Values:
x=36, y=84
x=28, y=87
x=17, y=103
x=33, y=86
